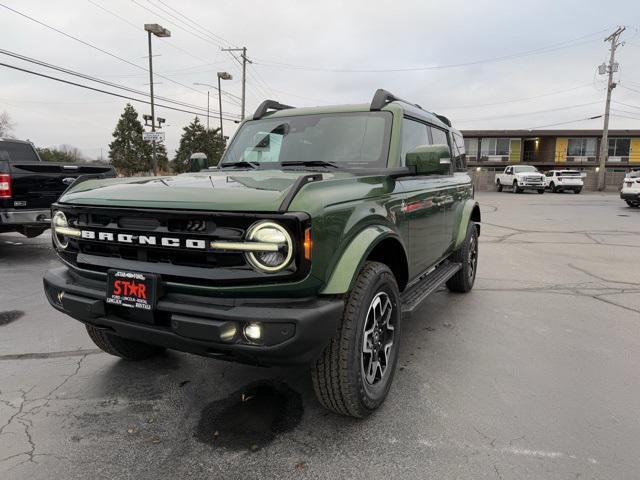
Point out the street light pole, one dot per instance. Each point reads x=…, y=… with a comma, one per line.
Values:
x=158, y=31
x=220, y=108
x=207, y=109
x=153, y=113
x=222, y=76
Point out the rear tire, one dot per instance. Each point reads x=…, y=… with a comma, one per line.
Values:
x=632, y=204
x=499, y=185
x=122, y=347
x=467, y=255
x=342, y=376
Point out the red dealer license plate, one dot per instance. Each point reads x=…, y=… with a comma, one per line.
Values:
x=132, y=289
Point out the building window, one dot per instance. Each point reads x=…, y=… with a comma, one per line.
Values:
x=495, y=146
x=581, y=147
x=619, y=147
x=471, y=147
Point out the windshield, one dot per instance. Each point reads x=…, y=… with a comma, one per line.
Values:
x=358, y=139
x=17, y=152
x=525, y=168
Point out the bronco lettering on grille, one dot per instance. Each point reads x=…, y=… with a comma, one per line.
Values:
x=151, y=240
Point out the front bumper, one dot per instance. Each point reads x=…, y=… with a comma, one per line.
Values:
x=530, y=185
x=295, y=330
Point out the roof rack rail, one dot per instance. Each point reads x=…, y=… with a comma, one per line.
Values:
x=382, y=97
x=443, y=119
x=269, y=105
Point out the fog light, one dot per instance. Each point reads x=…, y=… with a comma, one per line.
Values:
x=253, y=331
x=228, y=332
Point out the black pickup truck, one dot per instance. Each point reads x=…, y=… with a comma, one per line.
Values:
x=28, y=186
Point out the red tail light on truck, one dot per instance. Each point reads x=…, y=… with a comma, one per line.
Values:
x=5, y=186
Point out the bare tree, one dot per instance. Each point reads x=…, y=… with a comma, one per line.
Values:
x=6, y=125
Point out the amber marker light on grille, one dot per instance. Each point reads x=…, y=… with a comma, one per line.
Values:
x=307, y=244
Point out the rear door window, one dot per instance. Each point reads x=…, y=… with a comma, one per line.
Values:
x=17, y=152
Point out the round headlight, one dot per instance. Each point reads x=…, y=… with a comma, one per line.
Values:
x=266, y=232
x=59, y=221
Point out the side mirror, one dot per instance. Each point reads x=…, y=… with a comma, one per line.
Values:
x=430, y=159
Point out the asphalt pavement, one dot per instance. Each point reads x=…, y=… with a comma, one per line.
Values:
x=534, y=374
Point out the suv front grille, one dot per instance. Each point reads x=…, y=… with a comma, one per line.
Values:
x=180, y=262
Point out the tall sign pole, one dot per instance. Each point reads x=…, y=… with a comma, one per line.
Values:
x=608, y=69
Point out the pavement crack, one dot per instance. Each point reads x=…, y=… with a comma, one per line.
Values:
x=42, y=355
x=598, y=277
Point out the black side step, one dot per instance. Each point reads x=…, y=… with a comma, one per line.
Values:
x=427, y=284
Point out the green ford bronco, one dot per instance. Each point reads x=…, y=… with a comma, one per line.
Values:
x=318, y=232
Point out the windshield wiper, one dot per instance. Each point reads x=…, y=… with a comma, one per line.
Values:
x=310, y=163
x=241, y=163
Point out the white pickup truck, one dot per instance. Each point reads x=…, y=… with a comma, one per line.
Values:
x=520, y=178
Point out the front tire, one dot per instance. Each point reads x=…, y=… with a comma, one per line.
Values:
x=499, y=185
x=515, y=187
x=122, y=347
x=541, y=191
x=578, y=190
x=467, y=256
x=354, y=372
x=552, y=187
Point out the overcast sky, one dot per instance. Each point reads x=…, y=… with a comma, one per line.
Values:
x=312, y=53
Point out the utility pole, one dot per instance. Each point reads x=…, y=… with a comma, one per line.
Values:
x=245, y=60
x=207, y=109
x=610, y=69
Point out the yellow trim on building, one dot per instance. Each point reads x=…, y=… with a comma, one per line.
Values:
x=515, y=148
x=561, y=149
x=634, y=151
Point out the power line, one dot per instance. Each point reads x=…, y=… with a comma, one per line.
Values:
x=90, y=45
x=514, y=100
x=568, y=107
x=88, y=87
x=629, y=88
x=625, y=104
x=546, y=49
x=197, y=24
x=565, y=123
x=173, y=22
x=627, y=111
x=93, y=79
x=624, y=116
x=214, y=38
x=133, y=25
